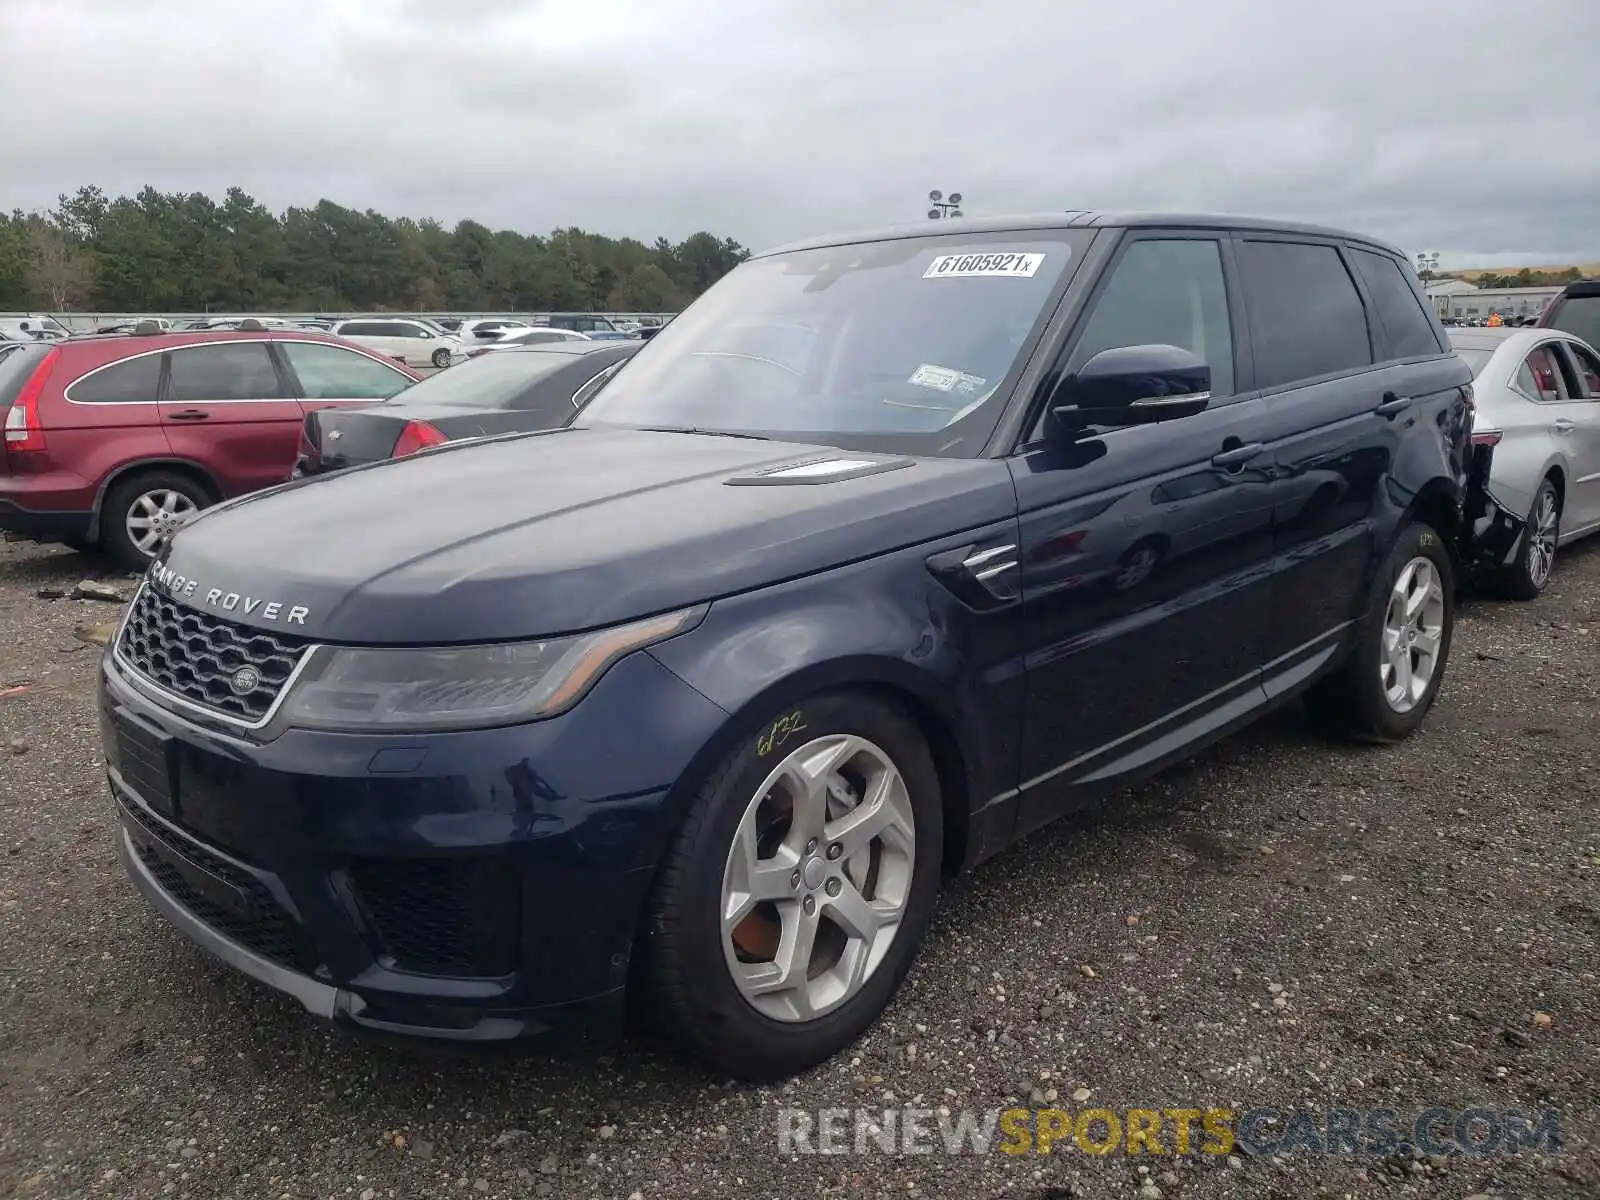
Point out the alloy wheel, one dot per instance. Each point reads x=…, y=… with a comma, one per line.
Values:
x=1413, y=632
x=155, y=516
x=1543, y=533
x=818, y=878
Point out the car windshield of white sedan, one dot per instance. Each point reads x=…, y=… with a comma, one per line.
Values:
x=895, y=345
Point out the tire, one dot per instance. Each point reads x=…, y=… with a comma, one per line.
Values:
x=117, y=539
x=1356, y=701
x=1526, y=578
x=441, y=358
x=688, y=958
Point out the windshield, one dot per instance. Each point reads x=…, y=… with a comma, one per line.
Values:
x=493, y=381
x=895, y=345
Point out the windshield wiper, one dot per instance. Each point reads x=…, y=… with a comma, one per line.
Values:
x=754, y=437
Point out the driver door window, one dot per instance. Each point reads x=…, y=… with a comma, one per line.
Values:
x=1166, y=292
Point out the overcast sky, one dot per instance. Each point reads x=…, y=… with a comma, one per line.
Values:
x=1468, y=127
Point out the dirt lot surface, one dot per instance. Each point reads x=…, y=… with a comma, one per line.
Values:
x=1282, y=923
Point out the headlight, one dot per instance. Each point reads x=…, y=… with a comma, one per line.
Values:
x=463, y=687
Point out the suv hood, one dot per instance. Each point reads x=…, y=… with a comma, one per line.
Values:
x=557, y=532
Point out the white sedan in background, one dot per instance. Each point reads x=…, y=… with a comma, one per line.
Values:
x=415, y=343
x=515, y=339
x=1538, y=422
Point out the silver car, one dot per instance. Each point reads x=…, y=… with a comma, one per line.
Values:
x=1538, y=423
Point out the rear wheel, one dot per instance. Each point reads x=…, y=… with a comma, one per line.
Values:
x=799, y=889
x=441, y=358
x=143, y=511
x=1527, y=577
x=1402, y=644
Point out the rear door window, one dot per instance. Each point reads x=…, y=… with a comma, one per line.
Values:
x=132, y=381
x=1305, y=313
x=226, y=371
x=1400, y=312
x=1540, y=375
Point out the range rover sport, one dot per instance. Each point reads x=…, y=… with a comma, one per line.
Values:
x=886, y=552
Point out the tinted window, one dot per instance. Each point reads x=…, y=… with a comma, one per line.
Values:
x=1579, y=316
x=1588, y=368
x=231, y=371
x=1540, y=375
x=1165, y=292
x=121, y=383
x=361, y=329
x=1305, y=313
x=493, y=381
x=334, y=373
x=1399, y=310
x=403, y=329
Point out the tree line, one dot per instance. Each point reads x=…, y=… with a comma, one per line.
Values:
x=176, y=252
x=1526, y=277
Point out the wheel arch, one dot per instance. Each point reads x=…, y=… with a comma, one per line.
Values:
x=182, y=466
x=890, y=680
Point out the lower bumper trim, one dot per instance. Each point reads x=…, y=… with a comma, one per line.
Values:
x=588, y=1022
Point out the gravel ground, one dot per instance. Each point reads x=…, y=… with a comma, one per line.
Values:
x=1283, y=922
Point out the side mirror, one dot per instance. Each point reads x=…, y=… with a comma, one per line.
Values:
x=1133, y=385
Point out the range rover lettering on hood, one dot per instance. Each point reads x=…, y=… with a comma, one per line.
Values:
x=180, y=587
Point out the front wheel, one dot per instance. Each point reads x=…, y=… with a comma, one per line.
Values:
x=797, y=893
x=441, y=358
x=1386, y=687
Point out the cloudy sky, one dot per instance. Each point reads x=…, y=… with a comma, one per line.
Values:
x=1464, y=126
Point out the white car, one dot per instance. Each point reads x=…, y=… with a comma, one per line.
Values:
x=515, y=339
x=415, y=343
x=481, y=331
x=33, y=327
x=1537, y=393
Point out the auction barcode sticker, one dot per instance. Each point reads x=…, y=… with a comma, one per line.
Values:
x=969, y=266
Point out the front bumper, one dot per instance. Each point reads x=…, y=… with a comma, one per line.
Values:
x=475, y=887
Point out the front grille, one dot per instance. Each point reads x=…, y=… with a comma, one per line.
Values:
x=196, y=656
x=266, y=928
x=442, y=916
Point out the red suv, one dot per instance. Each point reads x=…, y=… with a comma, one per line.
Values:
x=115, y=441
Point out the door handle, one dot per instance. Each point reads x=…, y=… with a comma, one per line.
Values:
x=1392, y=404
x=189, y=414
x=1237, y=456
x=1563, y=425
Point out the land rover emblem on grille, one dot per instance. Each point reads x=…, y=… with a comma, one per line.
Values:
x=244, y=681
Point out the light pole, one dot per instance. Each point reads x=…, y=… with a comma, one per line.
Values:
x=942, y=207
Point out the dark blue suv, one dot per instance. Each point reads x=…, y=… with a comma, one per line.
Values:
x=887, y=551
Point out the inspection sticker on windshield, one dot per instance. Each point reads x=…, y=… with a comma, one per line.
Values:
x=943, y=379
x=970, y=266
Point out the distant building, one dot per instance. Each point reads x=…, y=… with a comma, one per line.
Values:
x=1458, y=298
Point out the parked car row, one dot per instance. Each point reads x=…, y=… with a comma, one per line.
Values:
x=888, y=551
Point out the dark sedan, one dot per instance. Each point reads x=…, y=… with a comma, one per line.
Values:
x=515, y=391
